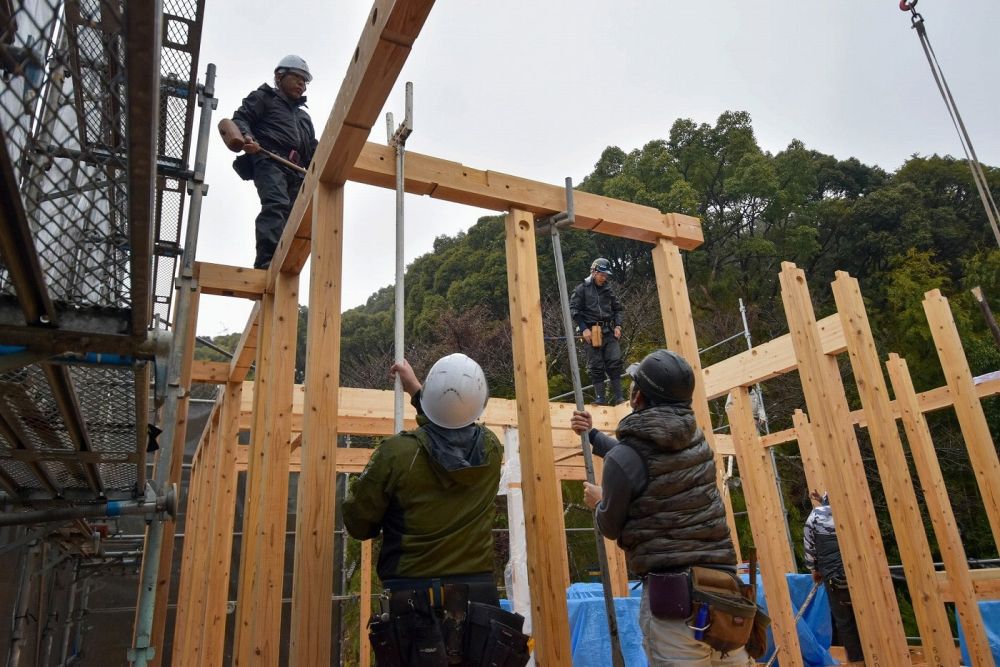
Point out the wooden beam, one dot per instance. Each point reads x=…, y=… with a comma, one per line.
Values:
x=455, y=182
x=209, y=372
x=858, y=533
x=365, y=605
x=312, y=584
x=971, y=418
x=678, y=331
x=907, y=523
x=246, y=349
x=987, y=587
x=960, y=586
x=225, y=280
x=382, y=51
x=549, y=617
x=811, y=463
x=767, y=520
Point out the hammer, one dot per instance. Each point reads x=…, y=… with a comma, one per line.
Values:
x=235, y=142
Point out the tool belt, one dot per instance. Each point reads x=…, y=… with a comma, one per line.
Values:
x=439, y=626
x=715, y=604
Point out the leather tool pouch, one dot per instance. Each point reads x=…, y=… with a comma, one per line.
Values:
x=757, y=644
x=382, y=634
x=669, y=595
x=417, y=630
x=243, y=166
x=730, y=614
x=596, y=336
x=480, y=633
x=505, y=647
x=453, y=623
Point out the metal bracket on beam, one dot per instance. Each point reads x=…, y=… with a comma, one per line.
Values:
x=560, y=220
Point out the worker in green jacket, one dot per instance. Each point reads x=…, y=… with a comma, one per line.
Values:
x=431, y=493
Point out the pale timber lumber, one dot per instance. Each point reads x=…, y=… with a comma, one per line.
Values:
x=382, y=51
x=455, y=182
x=616, y=557
x=971, y=418
x=255, y=481
x=549, y=615
x=226, y=280
x=987, y=585
x=246, y=349
x=811, y=464
x=209, y=372
x=223, y=515
x=365, y=604
x=174, y=476
x=766, y=521
x=564, y=541
x=312, y=582
x=908, y=526
x=861, y=546
x=960, y=587
x=678, y=331
x=269, y=580
x=768, y=360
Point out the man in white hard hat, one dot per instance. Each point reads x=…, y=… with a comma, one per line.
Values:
x=274, y=118
x=431, y=494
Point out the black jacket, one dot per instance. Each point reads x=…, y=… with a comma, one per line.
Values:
x=678, y=520
x=277, y=123
x=590, y=304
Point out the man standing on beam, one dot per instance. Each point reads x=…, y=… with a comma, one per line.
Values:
x=597, y=312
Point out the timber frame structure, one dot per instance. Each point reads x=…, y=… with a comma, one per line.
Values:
x=295, y=428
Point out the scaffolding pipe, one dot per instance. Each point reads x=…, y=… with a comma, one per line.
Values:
x=141, y=651
x=19, y=622
x=108, y=510
x=70, y=614
x=397, y=139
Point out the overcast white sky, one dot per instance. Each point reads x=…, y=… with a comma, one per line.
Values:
x=539, y=88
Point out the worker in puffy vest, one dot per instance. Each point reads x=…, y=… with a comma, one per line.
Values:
x=274, y=118
x=597, y=312
x=431, y=494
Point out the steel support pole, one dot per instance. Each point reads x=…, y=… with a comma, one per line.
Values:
x=141, y=651
x=109, y=509
x=21, y=605
x=397, y=139
x=70, y=610
x=588, y=462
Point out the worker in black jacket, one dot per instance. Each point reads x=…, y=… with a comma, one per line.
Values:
x=597, y=313
x=274, y=118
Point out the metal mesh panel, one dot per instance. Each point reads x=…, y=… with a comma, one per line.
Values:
x=27, y=404
x=21, y=474
x=117, y=476
x=107, y=397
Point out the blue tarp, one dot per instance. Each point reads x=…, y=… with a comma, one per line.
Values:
x=990, y=610
x=591, y=646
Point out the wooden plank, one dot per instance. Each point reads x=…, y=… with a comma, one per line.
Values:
x=246, y=349
x=312, y=583
x=875, y=606
x=763, y=362
x=365, y=605
x=269, y=579
x=209, y=372
x=549, y=615
x=221, y=531
x=986, y=582
x=766, y=521
x=563, y=540
x=960, y=587
x=907, y=523
x=971, y=418
x=678, y=331
x=455, y=182
x=382, y=51
x=811, y=463
x=225, y=280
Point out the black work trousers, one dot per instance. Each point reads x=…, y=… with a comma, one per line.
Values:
x=277, y=187
x=843, y=620
x=605, y=361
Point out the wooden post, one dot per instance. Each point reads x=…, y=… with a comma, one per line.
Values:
x=312, y=583
x=678, y=329
x=563, y=540
x=940, y=511
x=549, y=618
x=616, y=557
x=365, y=604
x=807, y=449
x=975, y=430
x=907, y=523
x=766, y=521
x=860, y=540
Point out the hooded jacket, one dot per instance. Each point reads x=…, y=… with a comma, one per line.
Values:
x=278, y=123
x=678, y=519
x=591, y=303
x=431, y=493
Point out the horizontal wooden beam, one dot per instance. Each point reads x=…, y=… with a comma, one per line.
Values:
x=226, y=280
x=986, y=581
x=455, y=182
x=210, y=372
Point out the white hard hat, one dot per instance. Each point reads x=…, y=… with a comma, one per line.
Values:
x=455, y=392
x=295, y=64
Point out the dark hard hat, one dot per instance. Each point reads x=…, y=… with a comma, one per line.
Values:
x=601, y=265
x=664, y=377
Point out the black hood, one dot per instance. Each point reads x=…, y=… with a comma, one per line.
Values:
x=668, y=427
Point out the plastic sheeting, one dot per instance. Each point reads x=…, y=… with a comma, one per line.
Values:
x=991, y=619
x=815, y=628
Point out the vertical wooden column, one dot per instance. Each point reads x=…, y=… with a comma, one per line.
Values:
x=975, y=430
x=678, y=329
x=365, y=604
x=223, y=515
x=940, y=510
x=860, y=540
x=563, y=539
x=616, y=557
x=268, y=582
x=256, y=470
x=183, y=613
x=176, y=464
x=766, y=522
x=807, y=449
x=312, y=583
x=542, y=510
x=907, y=523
